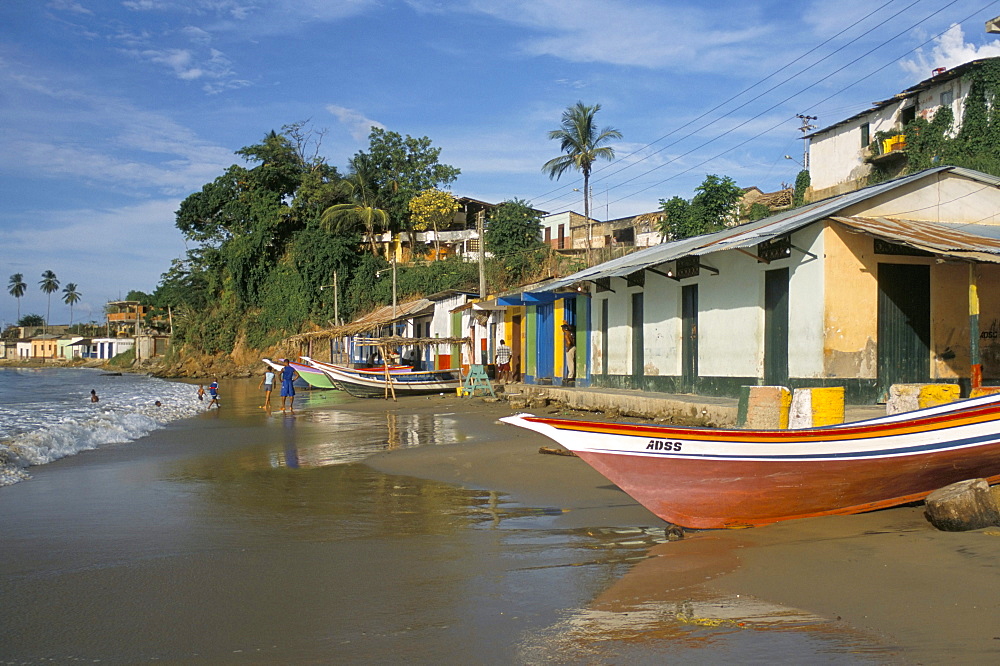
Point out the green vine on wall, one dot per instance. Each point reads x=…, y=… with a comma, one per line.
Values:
x=976, y=143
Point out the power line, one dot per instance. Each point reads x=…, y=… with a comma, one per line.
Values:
x=745, y=90
x=772, y=128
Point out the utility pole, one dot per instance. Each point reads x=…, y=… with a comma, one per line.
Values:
x=805, y=128
x=336, y=308
x=393, y=294
x=480, y=224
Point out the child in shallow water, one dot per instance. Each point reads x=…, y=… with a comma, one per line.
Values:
x=93, y=395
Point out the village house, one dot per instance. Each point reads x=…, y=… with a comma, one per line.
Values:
x=460, y=238
x=863, y=290
x=843, y=155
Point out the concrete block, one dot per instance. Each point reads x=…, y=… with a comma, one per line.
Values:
x=984, y=390
x=908, y=397
x=764, y=407
x=814, y=407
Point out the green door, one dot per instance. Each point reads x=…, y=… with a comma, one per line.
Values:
x=904, y=325
x=776, y=327
x=638, y=360
x=689, y=337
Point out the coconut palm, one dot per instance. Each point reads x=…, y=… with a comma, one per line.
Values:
x=49, y=283
x=17, y=287
x=71, y=296
x=363, y=210
x=581, y=144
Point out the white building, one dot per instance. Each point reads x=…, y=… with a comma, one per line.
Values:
x=842, y=155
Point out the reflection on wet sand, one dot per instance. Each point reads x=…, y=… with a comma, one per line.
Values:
x=353, y=437
x=662, y=605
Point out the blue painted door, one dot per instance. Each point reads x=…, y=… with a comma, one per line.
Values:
x=545, y=342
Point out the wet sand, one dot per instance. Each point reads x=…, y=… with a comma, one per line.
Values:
x=253, y=538
x=926, y=596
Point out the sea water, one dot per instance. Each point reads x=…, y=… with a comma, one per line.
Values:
x=47, y=414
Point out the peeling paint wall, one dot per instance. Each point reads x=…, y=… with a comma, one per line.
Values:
x=989, y=320
x=851, y=318
x=950, y=357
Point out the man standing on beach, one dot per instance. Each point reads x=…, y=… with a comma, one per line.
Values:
x=267, y=383
x=504, y=354
x=288, y=376
x=569, y=343
x=213, y=391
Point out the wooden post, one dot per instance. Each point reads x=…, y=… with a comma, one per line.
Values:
x=977, y=366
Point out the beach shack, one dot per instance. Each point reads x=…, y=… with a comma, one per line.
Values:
x=895, y=283
x=44, y=346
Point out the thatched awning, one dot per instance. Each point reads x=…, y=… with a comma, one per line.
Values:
x=401, y=341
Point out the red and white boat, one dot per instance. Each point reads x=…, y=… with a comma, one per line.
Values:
x=712, y=478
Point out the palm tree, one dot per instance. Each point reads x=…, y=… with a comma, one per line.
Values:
x=17, y=289
x=71, y=297
x=49, y=283
x=581, y=144
x=364, y=207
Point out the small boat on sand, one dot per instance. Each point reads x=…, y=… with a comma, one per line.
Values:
x=713, y=478
x=377, y=383
x=310, y=375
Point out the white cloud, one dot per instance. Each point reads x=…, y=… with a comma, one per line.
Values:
x=357, y=124
x=212, y=66
x=626, y=33
x=949, y=50
x=68, y=6
x=45, y=135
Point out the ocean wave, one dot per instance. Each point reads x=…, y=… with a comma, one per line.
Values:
x=42, y=431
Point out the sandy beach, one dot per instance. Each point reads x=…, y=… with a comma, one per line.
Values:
x=426, y=531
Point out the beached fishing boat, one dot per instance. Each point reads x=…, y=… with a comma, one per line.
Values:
x=712, y=478
x=315, y=365
x=370, y=383
x=310, y=375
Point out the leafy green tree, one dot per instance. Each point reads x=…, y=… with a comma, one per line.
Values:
x=246, y=214
x=714, y=206
x=513, y=236
x=16, y=288
x=402, y=167
x=70, y=297
x=802, y=182
x=31, y=320
x=48, y=284
x=758, y=211
x=676, y=222
x=582, y=145
x=363, y=213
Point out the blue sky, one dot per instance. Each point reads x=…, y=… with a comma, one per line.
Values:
x=113, y=111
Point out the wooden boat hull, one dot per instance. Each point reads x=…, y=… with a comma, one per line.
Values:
x=375, y=385
x=313, y=379
x=712, y=478
x=313, y=376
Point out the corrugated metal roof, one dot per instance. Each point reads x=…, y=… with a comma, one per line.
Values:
x=750, y=234
x=931, y=237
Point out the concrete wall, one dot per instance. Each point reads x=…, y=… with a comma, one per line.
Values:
x=837, y=156
x=945, y=198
